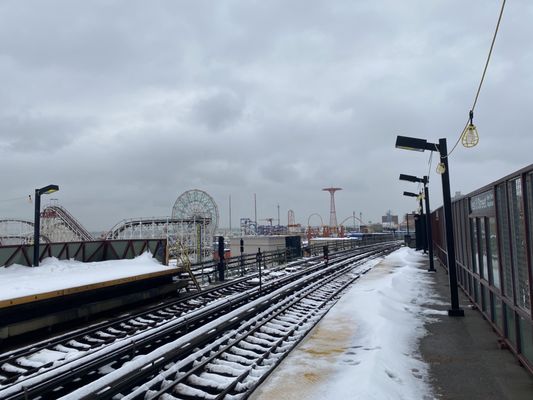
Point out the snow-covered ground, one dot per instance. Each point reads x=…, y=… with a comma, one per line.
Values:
x=366, y=346
x=53, y=274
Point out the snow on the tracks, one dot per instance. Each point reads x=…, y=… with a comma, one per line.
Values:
x=366, y=347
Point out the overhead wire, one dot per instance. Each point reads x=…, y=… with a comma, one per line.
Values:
x=429, y=163
x=482, y=76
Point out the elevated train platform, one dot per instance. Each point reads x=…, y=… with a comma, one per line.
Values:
x=53, y=294
x=390, y=330
x=62, y=291
x=85, y=280
x=389, y=337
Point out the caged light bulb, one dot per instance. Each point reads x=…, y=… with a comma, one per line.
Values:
x=470, y=137
x=440, y=168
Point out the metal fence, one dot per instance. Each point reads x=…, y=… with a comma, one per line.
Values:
x=101, y=250
x=493, y=228
x=207, y=272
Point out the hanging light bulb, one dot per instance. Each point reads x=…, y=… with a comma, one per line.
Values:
x=440, y=168
x=470, y=137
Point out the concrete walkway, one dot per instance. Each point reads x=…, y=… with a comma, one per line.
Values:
x=464, y=357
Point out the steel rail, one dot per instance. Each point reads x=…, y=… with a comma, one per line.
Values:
x=198, y=298
x=186, y=323
x=207, y=295
x=272, y=314
x=144, y=368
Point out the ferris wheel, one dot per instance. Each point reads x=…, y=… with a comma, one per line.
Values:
x=197, y=205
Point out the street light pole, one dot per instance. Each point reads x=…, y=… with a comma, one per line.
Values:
x=36, y=228
x=417, y=220
x=409, y=143
x=37, y=220
x=429, y=234
x=428, y=224
x=423, y=223
x=456, y=311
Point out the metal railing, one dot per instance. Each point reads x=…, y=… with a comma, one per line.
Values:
x=207, y=271
x=494, y=256
x=100, y=250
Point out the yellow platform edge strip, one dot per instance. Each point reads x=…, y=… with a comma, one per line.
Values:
x=84, y=288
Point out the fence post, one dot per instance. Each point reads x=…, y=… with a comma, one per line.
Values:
x=258, y=259
x=221, y=258
x=242, y=257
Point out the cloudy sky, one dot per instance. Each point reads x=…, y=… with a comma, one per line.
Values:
x=127, y=104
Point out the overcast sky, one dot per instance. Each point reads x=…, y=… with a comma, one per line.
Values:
x=127, y=104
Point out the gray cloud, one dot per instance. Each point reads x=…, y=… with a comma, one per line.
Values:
x=219, y=110
x=29, y=132
x=126, y=105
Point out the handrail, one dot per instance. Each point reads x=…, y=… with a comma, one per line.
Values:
x=246, y=262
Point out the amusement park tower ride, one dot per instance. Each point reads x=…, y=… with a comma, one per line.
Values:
x=332, y=212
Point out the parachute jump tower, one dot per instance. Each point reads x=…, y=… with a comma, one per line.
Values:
x=333, y=227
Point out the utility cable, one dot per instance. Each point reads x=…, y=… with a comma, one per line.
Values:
x=429, y=163
x=482, y=77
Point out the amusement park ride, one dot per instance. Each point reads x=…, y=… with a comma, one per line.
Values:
x=189, y=229
x=192, y=225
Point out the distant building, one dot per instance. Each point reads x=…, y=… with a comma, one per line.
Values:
x=389, y=222
x=372, y=228
x=408, y=219
x=252, y=244
x=389, y=219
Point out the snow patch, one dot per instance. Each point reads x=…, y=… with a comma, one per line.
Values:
x=53, y=274
x=366, y=346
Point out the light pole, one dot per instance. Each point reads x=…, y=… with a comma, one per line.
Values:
x=410, y=143
x=416, y=220
x=221, y=258
x=259, y=260
x=37, y=220
x=425, y=181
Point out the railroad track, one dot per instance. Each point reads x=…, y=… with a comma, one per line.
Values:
x=28, y=360
x=119, y=345
x=238, y=364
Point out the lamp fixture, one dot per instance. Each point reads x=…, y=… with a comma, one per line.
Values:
x=470, y=137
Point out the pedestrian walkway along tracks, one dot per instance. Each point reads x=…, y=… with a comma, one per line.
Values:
x=269, y=326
